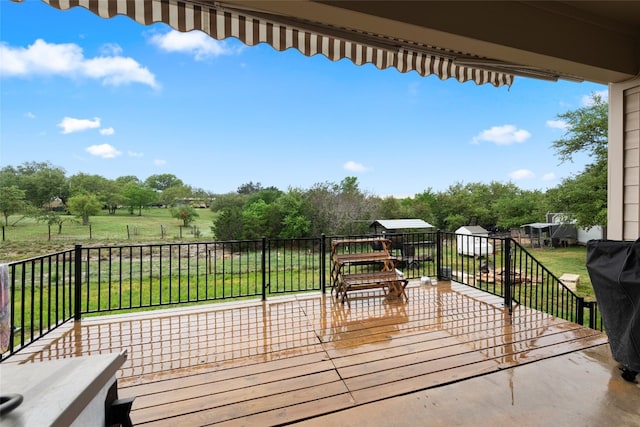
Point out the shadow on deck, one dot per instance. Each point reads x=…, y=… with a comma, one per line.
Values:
x=448, y=356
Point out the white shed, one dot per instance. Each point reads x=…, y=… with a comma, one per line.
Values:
x=473, y=240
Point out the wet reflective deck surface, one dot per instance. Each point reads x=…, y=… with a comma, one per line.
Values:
x=450, y=355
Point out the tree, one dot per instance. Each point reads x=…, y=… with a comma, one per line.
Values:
x=163, y=181
x=584, y=197
x=522, y=207
x=138, y=196
x=112, y=196
x=187, y=214
x=587, y=131
x=201, y=194
x=11, y=201
x=268, y=195
x=390, y=208
x=228, y=201
x=126, y=179
x=52, y=218
x=338, y=208
x=289, y=210
x=86, y=183
x=41, y=182
x=107, y=191
x=254, y=220
x=175, y=195
x=454, y=221
x=459, y=206
x=83, y=206
x=249, y=188
x=424, y=205
x=228, y=224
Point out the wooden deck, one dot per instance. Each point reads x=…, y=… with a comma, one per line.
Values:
x=301, y=357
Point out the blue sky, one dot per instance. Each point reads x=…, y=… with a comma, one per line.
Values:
x=113, y=98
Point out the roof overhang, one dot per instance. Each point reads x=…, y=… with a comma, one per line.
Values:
x=310, y=36
x=481, y=41
x=401, y=224
x=597, y=41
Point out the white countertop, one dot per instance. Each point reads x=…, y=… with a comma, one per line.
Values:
x=56, y=392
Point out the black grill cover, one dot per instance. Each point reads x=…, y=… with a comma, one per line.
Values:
x=614, y=269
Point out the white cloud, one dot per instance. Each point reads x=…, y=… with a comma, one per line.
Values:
x=107, y=131
x=40, y=58
x=67, y=60
x=502, y=135
x=118, y=70
x=134, y=154
x=587, y=100
x=195, y=43
x=522, y=174
x=70, y=125
x=110, y=49
x=159, y=162
x=106, y=151
x=30, y=115
x=558, y=124
x=352, y=166
x=549, y=176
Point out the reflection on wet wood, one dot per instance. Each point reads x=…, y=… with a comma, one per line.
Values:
x=298, y=357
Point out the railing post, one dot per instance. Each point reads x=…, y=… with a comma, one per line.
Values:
x=506, y=244
x=439, y=255
x=77, y=285
x=580, y=313
x=264, y=268
x=323, y=264
x=593, y=316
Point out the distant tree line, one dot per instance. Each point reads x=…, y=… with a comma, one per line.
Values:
x=43, y=191
x=40, y=190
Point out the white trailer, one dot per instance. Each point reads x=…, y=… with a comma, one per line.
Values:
x=472, y=240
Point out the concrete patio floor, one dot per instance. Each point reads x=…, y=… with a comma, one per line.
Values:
x=576, y=389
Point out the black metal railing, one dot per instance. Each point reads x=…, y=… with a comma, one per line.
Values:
x=503, y=267
x=42, y=293
x=48, y=291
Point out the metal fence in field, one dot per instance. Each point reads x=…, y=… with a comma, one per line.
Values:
x=50, y=290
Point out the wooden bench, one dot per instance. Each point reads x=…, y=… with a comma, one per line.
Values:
x=391, y=282
x=373, y=251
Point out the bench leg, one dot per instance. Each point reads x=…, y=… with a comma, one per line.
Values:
x=397, y=289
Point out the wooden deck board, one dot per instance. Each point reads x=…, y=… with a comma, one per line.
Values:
x=201, y=385
x=284, y=414
x=249, y=399
x=296, y=358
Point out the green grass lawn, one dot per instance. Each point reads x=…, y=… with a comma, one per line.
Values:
x=25, y=238
x=567, y=260
x=28, y=238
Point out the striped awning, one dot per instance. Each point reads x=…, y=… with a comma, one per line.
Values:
x=310, y=38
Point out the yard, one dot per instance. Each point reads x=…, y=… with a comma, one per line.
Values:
x=567, y=260
x=28, y=238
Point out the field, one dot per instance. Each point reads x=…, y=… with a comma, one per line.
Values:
x=25, y=237
x=123, y=272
